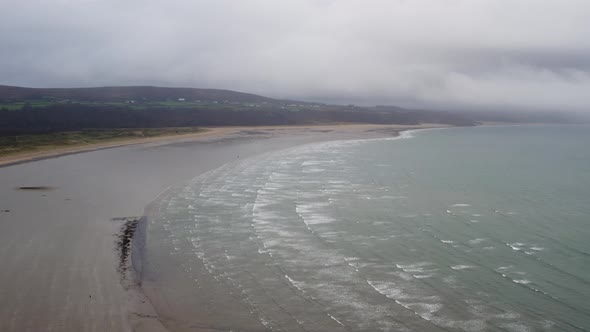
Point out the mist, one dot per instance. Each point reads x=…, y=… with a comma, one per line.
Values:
x=451, y=54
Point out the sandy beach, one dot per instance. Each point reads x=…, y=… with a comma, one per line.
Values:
x=210, y=132
x=57, y=244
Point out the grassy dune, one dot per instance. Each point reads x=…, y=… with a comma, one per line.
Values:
x=10, y=145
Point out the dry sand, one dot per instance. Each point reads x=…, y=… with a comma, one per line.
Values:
x=57, y=246
x=211, y=132
x=61, y=151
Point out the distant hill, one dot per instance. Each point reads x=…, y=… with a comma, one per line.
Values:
x=122, y=93
x=30, y=110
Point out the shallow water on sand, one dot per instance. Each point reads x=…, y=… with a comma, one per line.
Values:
x=468, y=229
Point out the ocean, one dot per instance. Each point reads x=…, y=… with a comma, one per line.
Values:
x=462, y=229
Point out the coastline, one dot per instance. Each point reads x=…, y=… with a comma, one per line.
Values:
x=64, y=151
x=147, y=314
x=238, y=216
x=210, y=132
x=60, y=243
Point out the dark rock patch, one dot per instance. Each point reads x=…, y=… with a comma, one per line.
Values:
x=44, y=188
x=123, y=242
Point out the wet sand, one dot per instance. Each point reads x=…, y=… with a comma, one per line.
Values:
x=60, y=264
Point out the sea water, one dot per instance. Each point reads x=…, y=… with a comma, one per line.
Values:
x=466, y=229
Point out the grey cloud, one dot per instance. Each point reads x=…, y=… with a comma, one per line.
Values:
x=468, y=54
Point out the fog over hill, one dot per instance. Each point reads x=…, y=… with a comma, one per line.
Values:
x=124, y=93
x=427, y=54
x=29, y=110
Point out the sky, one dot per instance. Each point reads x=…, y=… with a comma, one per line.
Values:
x=436, y=54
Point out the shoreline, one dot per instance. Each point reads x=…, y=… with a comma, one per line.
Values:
x=64, y=151
x=210, y=132
x=149, y=314
x=193, y=222
x=61, y=242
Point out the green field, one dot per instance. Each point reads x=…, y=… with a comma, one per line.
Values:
x=20, y=104
x=37, y=103
x=10, y=145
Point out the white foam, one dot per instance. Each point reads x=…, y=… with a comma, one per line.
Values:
x=460, y=205
x=310, y=216
x=388, y=289
x=515, y=327
x=312, y=163
x=424, y=310
x=477, y=241
x=447, y=241
x=337, y=182
x=515, y=246
x=394, y=197
x=296, y=284
x=462, y=267
x=404, y=275
x=336, y=320
x=412, y=266
x=472, y=325
x=313, y=170
x=407, y=134
x=264, y=322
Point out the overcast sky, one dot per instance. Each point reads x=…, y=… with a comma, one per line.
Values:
x=529, y=54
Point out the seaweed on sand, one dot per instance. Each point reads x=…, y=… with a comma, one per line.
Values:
x=123, y=242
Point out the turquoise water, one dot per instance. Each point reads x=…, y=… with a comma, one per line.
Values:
x=474, y=229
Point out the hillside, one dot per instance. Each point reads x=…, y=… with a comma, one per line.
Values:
x=29, y=110
x=128, y=93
